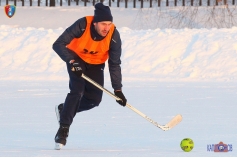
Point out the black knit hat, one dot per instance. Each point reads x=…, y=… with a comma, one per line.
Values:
x=102, y=13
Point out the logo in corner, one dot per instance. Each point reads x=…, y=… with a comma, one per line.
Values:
x=10, y=10
x=220, y=147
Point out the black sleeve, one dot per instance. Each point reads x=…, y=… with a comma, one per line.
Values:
x=74, y=31
x=114, y=61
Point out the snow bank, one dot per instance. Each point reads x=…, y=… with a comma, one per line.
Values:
x=160, y=54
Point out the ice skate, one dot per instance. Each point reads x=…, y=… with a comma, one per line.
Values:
x=61, y=137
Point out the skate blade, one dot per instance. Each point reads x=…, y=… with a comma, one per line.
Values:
x=58, y=146
x=57, y=114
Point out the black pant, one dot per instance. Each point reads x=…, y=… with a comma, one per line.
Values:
x=83, y=95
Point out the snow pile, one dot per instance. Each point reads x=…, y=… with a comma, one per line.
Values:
x=163, y=55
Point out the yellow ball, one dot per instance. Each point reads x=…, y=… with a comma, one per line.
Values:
x=187, y=144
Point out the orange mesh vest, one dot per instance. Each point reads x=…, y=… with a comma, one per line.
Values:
x=93, y=52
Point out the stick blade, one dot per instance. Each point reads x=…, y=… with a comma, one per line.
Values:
x=176, y=120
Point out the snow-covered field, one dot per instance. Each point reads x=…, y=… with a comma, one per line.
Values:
x=192, y=72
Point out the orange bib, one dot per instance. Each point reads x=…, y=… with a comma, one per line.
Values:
x=93, y=52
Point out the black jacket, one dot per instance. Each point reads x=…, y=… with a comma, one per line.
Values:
x=75, y=31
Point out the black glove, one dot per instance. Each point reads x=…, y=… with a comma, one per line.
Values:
x=76, y=68
x=123, y=100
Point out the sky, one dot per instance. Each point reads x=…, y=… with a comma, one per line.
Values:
x=189, y=70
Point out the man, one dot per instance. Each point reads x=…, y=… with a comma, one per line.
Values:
x=85, y=46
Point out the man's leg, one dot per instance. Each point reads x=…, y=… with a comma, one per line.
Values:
x=72, y=101
x=92, y=95
x=77, y=86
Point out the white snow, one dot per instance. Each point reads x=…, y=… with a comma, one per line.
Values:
x=166, y=71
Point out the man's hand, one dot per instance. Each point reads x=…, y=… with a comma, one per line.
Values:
x=76, y=68
x=123, y=100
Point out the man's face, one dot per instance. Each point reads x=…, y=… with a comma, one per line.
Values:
x=103, y=27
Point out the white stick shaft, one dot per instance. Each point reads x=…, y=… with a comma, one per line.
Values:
x=117, y=98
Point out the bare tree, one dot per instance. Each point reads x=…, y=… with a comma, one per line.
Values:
x=189, y=14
